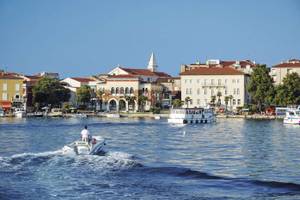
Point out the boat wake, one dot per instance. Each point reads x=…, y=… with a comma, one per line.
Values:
x=59, y=160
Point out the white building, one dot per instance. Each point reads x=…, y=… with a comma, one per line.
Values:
x=279, y=71
x=73, y=83
x=200, y=84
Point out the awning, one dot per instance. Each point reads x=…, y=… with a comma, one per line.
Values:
x=5, y=105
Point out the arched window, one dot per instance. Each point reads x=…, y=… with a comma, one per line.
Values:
x=117, y=90
x=131, y=90
x=121, y=90
x=126, y=90
x=112, y=90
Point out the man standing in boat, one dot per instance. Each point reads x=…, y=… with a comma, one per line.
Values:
x=85, y=134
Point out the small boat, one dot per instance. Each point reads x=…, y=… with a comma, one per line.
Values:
x=55, y=112
x=292, y=116
x=94, y=147
x=191, y=116
x=157, y=117
x=19, y=113
x=113, y=115
x=2, y=113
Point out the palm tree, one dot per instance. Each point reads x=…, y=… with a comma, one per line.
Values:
x=219, y=94
x=213, y=100
x=99, y=95
x=130, y=100
x=177, y=103
x=187, y=100
x=142, y=102
x=226, y=102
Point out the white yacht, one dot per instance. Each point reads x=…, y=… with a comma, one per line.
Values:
x=292, y=116
x=19, y=113
x=55, y=112
x=191, y=115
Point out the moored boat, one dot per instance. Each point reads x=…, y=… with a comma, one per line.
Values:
x=191, y=115
x=292, y=116
x=19, y=113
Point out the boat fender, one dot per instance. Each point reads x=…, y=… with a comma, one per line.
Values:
x=94, y=141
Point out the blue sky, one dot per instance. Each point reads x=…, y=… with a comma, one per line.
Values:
x=84, y=37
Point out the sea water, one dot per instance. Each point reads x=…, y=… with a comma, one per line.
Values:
x=150, y=159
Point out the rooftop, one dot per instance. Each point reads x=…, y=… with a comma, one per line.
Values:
x=212, y=71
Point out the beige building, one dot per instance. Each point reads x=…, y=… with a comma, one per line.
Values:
x=245, y=66
x=200, y=84
x=279, y=71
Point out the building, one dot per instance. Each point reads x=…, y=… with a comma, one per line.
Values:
x=49, y=75
x=73, y=83
x=203, y=84
x=131, y=89
x=245, y=66
x=11, y=91
x=279, y=71
x=171, y=89
x=28, y=83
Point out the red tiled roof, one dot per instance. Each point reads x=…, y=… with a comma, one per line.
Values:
x=82, y=80
x=286, y=65
x=9, y=76
x=144, y=72
x=212, y=71
x=123, y=76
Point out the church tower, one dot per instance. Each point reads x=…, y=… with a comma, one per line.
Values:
x=152, y=66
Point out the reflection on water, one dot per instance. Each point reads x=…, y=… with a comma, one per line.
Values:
x=232, y=159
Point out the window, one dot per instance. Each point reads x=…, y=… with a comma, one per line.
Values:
x=212, y=92
x=225, y=81
x=198, y=91
x=191, y=101
x=117, y=90
x=234, y=91
x=4, y=96
x=131, y=90
x=225, y=92
x=237, y=91
x=17, y=96
x=233, y=101
x=4, y=86
x=17, y=87
x=237, y=80
x=219, y=82
x=112, y=90
x=212, y=81
x=121, y=90
x=190, y=80
x=190, y=90
x=239, y=102
x=187, y=91
x=198, y=81
x=198, y=101
x=233, y=80
x=126, y=90
x=204, y=81
x=205, y=91
x=185, y=81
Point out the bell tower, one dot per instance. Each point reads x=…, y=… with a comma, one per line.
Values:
x=152, y=66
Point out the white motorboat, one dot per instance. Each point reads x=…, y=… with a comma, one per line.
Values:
x=113, y=115
x=94, y=147
x=19, y=113
x=55, y=112
x=2, y=113
x=191, y=115
x=292, y=116
x=157, y=117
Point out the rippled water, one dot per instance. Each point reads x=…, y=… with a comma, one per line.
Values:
x=148, y=159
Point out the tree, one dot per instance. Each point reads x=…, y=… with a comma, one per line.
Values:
x=99, y=95
x=142, y=102
x=187, y=100
x=261, y=86
x=288, y=93
x=226, y=99
x=50, y=91
x=83, y=94
x=177, y=103
x=213, y=100
x=219, y=94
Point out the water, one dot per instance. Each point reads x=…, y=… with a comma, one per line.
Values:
x=148, y=159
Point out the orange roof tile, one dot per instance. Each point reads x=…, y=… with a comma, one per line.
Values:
x=83, y=80
x=212, y=71
x=144, y=72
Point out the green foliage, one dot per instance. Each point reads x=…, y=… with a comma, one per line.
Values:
x=187, y=100
x=50, y=91
x=288, y=93
x=84, y=94
x=261, y=86
x=155, y=110
x=177, y=103
x=142, y=102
